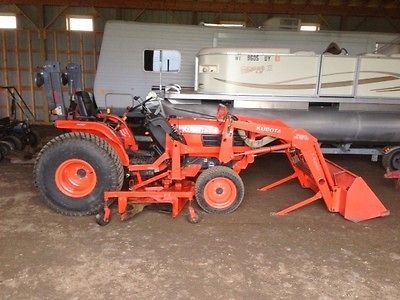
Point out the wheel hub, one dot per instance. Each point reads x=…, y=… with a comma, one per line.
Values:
x=81, y=173
x=220, y=192
x=75, y=178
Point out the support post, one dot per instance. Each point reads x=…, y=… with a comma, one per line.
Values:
x=43, y=54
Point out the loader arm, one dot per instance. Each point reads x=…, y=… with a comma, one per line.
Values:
x=341, y=190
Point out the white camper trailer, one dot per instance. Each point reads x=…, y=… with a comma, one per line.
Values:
x=132, y=53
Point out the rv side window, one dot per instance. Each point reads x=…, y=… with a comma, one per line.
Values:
x=162, y=61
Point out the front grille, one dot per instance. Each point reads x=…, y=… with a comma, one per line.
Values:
x=211, y=140
x=214, y=140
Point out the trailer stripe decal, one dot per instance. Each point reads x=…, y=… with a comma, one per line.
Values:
x=309, y=85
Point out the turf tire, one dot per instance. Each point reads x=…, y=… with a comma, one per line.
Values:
x=93, y=150
x=210, y=174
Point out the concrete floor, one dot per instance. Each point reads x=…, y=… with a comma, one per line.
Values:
x=248, y=254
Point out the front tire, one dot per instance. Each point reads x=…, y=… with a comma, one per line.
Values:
x=219, y=190
x=74, y=170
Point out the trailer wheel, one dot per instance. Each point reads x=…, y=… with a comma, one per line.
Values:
x=391, y=160
x=73, y=170
x=219, y=190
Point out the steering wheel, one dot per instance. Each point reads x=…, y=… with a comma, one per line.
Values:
x=141, y=104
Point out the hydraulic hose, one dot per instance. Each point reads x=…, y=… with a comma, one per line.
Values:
x=255, y=143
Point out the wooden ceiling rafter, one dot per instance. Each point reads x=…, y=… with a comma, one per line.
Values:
x=326, y=8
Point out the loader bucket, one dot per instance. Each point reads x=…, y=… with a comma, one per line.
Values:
x=352, y=197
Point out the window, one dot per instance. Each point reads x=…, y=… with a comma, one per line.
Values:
x=162, y=61
x=8, y=21
x=224, y=24
x=79, y=23
x=309, y=27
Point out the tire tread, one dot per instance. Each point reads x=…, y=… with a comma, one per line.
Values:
x=117, y=172
x=218, y=171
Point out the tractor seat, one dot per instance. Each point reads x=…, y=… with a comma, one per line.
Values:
x=86, y=104
x=157, y=131
x=158, y=127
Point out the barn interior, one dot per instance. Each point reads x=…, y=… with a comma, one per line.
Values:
x=48, y=251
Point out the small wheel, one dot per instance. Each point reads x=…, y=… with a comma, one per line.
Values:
x=6, y=147
x=3, y=150
x=33, y=138
x=101, y=220
x=391, y=160
x=219, y=190
x=194, y=219
x=193, y=216
x=17, y=143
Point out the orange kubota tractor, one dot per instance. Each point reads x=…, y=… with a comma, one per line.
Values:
x=99, y=161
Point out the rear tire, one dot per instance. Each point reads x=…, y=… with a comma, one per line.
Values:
x=73, y=170
x=219, y=190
